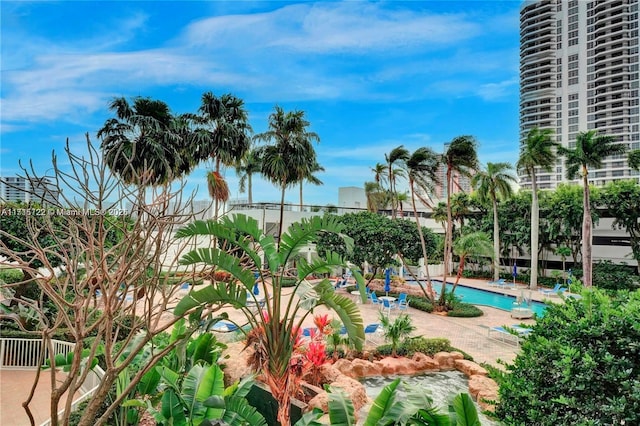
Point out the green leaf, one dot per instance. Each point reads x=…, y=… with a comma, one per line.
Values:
x=221, y=293
x=238, y=411
x=381, y=405
x=466, y=413
x=341, y=411
x=310, y=418
x=172, y=409
x=214, y=401
x=149, y=382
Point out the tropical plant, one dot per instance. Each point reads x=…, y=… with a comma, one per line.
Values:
x=591, y=149
x=492, y=184
x=248, y=165
x=422, y=172
x=460, y=158
x=289, y=153
x=391, y=407
x=275, y=331
x=377, y=198
x=537, y=151
x=397, y=330
x=473, y=244
x=396, y=157
x=224, y=136
x=145, y=143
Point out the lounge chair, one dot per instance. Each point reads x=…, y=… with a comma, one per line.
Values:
x=514, y=335
x=558, y=289
x=496, y=283
x=371, y=332
x=508, y=285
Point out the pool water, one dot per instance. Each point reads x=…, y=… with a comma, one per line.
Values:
x=441, y=387
x=476, y=296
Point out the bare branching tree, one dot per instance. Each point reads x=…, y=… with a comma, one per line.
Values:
x=117, y=279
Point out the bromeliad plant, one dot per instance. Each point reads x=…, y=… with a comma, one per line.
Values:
x=284, y=312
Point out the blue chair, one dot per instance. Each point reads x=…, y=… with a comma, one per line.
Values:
x=402, y=303
x=371, y=331
x=374, y=299
x=496, y=283
x=388, y=305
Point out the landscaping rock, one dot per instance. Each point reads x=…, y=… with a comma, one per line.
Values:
x=235, y=359
x=482, y=389
x=391, y=366
x=363, y=368
x=424, y=362
x=469, y=368
x=446, y=360
x=344, y=366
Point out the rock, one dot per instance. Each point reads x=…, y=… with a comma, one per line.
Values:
x=484, y=390
x=329, y=373
x=424, y=362
x=320, y=401
x=391, y=366
x=354, y=389
x=344, y=366
x=362, y=368
x=235, y=359
x=446, y=360
x=469, y=368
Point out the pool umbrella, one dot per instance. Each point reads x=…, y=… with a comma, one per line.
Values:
x=387, y=280
x=515, y=272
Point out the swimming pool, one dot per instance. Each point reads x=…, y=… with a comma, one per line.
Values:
x=483, y=297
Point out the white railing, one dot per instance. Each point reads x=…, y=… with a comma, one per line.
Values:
x=24, y=354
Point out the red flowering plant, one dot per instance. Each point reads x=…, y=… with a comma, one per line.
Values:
x=316, y=356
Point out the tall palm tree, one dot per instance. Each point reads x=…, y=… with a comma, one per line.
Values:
x=308, y=175
x=537, y=151
x=380, y=173
x=248, y=165
x=461, y=158
x=422, y=171
x=376, y=196
x=397, y=156
x=288, y=152
x=145, y=143
x=224, y=136
x=492, y=183
x=473, y=244
x=591, y=149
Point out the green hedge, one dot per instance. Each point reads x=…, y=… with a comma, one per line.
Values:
x=465, y=310
x=580, y=365
x=421, y=344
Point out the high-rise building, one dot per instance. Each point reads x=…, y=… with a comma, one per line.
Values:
x=459, y=182
x=578, y=72
x=21, y=189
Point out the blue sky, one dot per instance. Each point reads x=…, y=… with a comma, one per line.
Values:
x=369, y=75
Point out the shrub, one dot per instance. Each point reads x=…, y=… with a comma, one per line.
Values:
x=610, y=276
x=581, y=362
x=465, y=310
x=288, y=281
x=423, y=345
x=420, y=303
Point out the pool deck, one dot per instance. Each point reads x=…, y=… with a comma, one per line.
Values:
x=468, y=334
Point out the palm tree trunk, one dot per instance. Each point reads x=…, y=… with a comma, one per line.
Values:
x=428, y=295
x=587, y=225
x=300, y=195
x=496, y=241
x=535, y=229
x=460, y=270
x=448, y=240
x=249, y=189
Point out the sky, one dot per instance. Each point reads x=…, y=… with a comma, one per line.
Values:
x=370, y=76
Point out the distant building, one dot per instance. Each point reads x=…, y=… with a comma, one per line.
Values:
x=460, y=183
x=579, y=72
x=34, y=190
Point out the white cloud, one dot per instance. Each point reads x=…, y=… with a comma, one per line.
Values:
x=494, y=91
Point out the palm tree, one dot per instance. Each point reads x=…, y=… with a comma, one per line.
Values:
x=492, y=183
x=422, y=171
x=377, y=198
x=537, y=151
x=380, y=173
x=309, y=176
x=248, y=165
x=397, y=330
x=289, y=151
x=471, y=245
x=460, y=158
x=397, y=156
x=591, y=149
x=223, y=136
x=146, y=144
